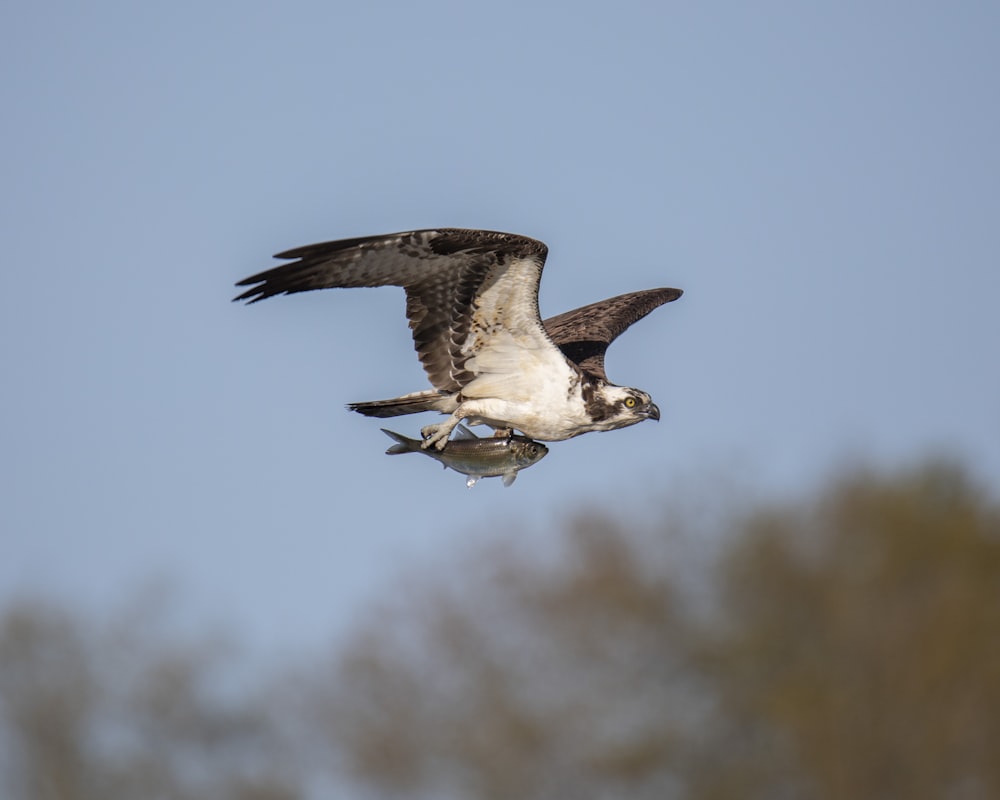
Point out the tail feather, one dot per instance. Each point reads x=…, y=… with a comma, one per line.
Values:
x=431, y=400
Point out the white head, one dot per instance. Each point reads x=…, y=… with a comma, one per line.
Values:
x=612, y=407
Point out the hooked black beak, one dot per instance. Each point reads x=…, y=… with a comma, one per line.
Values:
x=653, y=412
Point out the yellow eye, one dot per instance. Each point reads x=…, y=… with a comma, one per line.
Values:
x=630, y=402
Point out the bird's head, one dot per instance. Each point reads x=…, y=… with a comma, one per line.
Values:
x=612, y=407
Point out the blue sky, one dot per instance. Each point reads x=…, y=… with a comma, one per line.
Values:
x=821, y=180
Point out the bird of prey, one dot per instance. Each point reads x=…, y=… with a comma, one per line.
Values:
x=472, y=304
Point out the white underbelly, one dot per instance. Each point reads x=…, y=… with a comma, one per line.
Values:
x=544, y=424
x=533, y=391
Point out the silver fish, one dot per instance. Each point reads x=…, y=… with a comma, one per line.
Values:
x=477, y=457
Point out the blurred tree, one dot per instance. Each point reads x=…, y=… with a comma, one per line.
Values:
x=93, y=714
x=862, y=643
x=843, y=647
x=518, y=681
x=847, y=647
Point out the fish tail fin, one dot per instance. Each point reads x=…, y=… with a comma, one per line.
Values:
x=403, y=444
x=430, y=400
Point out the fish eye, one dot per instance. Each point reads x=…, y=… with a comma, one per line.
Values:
x=630, y=402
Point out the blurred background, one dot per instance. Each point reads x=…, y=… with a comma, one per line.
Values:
x=214, y=583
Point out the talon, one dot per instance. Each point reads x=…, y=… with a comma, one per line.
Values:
x=433, y=435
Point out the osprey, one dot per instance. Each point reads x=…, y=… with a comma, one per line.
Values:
x=472, y=304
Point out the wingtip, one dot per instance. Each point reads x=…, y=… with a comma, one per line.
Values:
x=251, y=295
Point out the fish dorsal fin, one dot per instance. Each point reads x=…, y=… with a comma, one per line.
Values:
x=461, y=432
x=509, y=478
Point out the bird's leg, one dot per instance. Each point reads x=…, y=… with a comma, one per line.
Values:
x=503, y=433
x=437, y=435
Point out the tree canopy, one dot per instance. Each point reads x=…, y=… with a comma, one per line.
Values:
x=843, y=645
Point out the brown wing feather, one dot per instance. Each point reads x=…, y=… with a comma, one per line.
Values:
x=584, y=334
x=442, y=271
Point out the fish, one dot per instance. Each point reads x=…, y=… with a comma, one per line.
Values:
x=487, y=457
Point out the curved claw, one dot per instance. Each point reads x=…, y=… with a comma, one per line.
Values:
x=434, y=436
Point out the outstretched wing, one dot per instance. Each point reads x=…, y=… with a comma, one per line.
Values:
x=471, y=295
x=584, y=334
